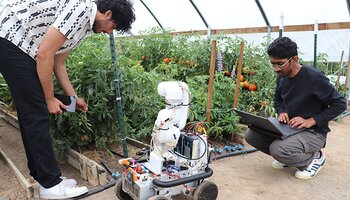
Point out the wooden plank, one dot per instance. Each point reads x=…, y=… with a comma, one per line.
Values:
x=102, y=175
x=83, y=169
x=78, y=161
x=10, y=118
x=136, y=143
x=90, y=170
x=92, y=173
x=32, y=190
x=73, y=158
x=290, y=28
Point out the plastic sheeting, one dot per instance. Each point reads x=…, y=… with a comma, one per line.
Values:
x=180, y=15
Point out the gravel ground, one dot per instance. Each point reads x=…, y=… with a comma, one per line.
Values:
x=10, y=188
x=246, y=177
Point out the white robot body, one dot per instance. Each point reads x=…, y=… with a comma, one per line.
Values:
x=174, y=155
x=169, y=122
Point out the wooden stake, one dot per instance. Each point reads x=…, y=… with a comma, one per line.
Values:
x=211, y=79
x=340, y=69
x=347, y=74
x=239, y=72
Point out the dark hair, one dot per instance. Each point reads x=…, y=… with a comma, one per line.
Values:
x=122, y=12
x=282, y=47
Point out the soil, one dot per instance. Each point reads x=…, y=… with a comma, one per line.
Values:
x=245, y=177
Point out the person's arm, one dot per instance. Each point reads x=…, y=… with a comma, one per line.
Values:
x=45, y=59
x=327, y=94
x=62, y=78
x=334, y=105
x=61, y=74
x=278, y=104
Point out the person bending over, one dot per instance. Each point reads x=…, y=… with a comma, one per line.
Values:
x=36, y=37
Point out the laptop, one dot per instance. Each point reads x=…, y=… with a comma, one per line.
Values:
x=270, y=126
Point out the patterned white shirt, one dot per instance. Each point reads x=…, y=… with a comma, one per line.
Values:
x=25, y=22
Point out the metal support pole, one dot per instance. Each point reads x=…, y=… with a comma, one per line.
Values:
x=315, y=43
x=266, y=20
x=269, y=29
x=281, y=26
x=118, y=96
x=202, y=17
x=150, y=12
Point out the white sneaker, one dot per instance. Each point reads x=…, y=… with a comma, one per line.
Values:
x=68, y=182
x=60, y=191
x=278, y=165
x=314, y=167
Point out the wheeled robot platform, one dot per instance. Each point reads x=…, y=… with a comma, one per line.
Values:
x=177, y=162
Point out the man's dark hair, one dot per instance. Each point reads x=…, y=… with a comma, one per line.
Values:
x=122, y=12
x=282, y=47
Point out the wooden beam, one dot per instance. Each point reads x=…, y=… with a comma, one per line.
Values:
x=291, y=28
x=136, y=143
x=32, y=190
x=9, y=118
x=90, y=170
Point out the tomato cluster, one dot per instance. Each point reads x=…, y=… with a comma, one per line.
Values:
x=247, y=73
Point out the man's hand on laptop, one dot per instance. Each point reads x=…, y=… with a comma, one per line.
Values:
x=283, y=118
x=299, y=122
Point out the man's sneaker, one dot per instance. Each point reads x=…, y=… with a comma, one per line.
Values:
x=278, y=165
x=68, y=182
x=314, y=167
x=60, y=191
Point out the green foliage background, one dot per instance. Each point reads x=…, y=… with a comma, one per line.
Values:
x=145, y=61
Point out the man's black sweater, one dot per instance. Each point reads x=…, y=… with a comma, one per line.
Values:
x=309, y=94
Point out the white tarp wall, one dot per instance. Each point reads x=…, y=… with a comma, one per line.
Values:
x=180, y=15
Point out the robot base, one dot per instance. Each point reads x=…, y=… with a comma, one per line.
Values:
x=205, y=191
x=164, y=186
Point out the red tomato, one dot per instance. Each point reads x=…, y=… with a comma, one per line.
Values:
x=241, y=77
x=246, y=84
x=166, y=60
x=252, y=87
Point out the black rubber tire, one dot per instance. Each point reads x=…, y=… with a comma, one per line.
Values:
x=158, y=197
x=119, y=192
x=206, y=191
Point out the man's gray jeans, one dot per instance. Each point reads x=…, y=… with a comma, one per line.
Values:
x=297, y=150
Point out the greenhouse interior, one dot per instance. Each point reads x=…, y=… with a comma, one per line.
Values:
x=198, y=100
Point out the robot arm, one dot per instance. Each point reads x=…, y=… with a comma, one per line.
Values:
x=173, y=117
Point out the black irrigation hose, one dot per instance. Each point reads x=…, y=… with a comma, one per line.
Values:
x=234, y=153
x=102, y=187
x=96, y=189
x=116, y=153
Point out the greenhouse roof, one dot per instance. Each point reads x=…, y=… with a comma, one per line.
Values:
x=250, y=20
x=182, y=15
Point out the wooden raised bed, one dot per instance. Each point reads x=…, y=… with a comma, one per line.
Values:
x=89, y=170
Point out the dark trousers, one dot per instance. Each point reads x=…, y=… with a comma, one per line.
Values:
x=297, y=150
x=19, y=71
